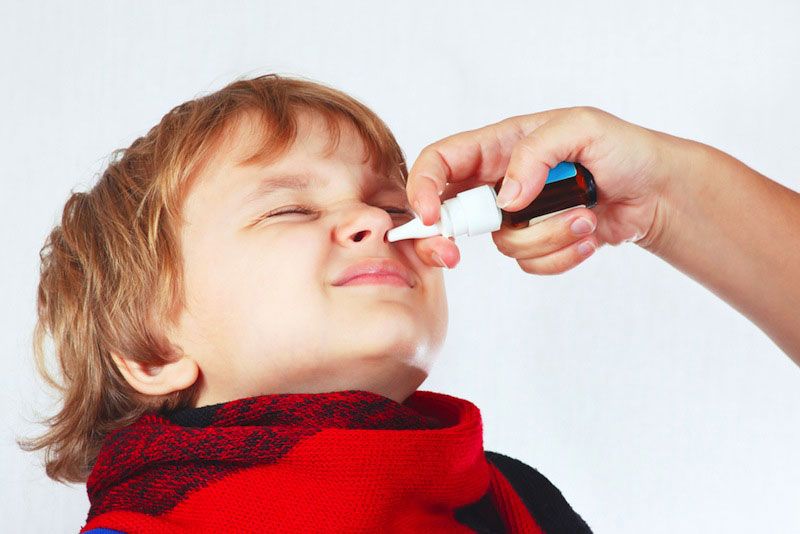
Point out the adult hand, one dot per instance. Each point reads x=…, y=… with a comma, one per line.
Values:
x=626, y=161
x=703, y=211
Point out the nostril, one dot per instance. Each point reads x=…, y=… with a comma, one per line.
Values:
x=360, y=235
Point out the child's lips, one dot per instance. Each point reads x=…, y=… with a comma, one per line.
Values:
x=376, y=271
x=382, y=279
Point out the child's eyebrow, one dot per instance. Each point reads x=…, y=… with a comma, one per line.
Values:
x=297, y=182
x=270, y=184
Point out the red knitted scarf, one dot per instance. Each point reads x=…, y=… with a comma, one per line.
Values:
x=349, y=461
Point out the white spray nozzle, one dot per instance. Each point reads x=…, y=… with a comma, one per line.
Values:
x=470, y=212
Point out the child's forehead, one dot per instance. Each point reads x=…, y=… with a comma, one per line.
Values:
x=248, y=156
x=251, y=139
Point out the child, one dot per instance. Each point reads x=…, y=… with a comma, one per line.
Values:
x=241, y=346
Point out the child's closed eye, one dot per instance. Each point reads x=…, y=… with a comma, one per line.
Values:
x=305, y=211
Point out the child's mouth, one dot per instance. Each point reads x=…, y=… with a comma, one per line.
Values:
x=377, y=279
x=371, y=271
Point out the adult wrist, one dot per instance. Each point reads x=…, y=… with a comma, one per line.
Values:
x=680, y=174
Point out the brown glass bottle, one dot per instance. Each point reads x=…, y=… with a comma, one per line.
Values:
x=558, y=194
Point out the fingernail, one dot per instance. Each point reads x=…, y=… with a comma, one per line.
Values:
x=581, y=226
x=585, y=248
x=508, y=192
x=438, y=259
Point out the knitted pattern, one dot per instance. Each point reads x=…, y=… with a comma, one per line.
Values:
x=348, y=461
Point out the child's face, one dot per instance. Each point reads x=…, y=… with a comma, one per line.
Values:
x=263, y=314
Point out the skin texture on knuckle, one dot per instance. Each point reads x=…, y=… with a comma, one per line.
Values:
x=528, y=146
x=586, y=113
x=590, y=118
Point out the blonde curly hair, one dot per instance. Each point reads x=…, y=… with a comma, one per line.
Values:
x=111, y=272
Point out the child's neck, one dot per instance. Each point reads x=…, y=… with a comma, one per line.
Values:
x=392, y=379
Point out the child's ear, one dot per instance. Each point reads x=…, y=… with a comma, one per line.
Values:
x=160, y=379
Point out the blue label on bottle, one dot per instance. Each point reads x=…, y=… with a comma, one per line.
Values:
x=562, y=171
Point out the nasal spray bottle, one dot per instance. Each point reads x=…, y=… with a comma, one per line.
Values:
x=475, y=210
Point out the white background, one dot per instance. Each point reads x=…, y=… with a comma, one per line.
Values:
x=651, y=404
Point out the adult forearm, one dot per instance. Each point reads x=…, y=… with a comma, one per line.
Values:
x=736, y=232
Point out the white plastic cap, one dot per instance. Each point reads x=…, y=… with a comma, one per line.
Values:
x=474, y=211
x=470, y=212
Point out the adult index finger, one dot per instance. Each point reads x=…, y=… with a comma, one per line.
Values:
x=480, y=156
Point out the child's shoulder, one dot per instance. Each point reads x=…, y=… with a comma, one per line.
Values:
x=544, y=501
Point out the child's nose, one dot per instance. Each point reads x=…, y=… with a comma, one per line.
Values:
x=366, y=223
